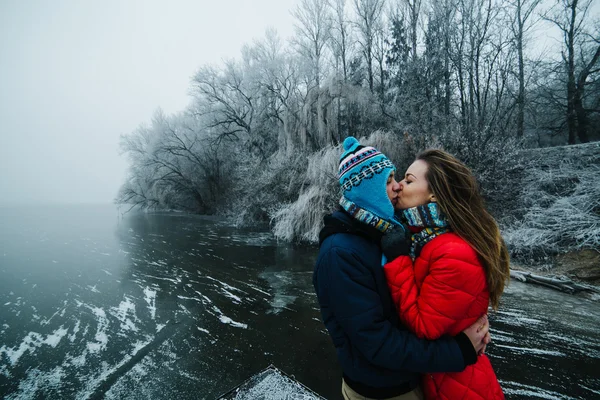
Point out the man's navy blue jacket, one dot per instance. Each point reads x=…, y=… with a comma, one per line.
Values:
x=374, y=349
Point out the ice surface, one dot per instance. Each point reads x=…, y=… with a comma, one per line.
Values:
x=73, y=336
x=235, y=298
x=150, y=297
x=270, y=384
x=36, y=379
x=123, y=312
x=93, y=382
x=226, y=320
x=533, y=351
x=530, y=392
x=101, y=336
x=31, y=342
x=93, y=289
x=55, y=337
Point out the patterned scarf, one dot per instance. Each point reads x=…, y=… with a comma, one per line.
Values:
x=429, y=217
x=366, y=217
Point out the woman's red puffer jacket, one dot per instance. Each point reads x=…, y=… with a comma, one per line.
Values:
x=443, y=293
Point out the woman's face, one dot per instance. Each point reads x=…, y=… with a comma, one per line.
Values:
x=414, y=188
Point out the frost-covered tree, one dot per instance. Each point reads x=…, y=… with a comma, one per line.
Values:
x=380, y=49
x=368, y=16
x=580, y=61
x=234, y=107
x=413, y=13
x=313, y=30
x=521, y=21
x=341, y=37
x=174, y=165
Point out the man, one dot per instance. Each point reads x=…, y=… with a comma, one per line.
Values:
x=380, y=358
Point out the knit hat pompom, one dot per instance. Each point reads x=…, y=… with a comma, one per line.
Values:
x=363, y=175
x=349, y=142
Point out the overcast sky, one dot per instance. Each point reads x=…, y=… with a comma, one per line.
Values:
x=75, y=75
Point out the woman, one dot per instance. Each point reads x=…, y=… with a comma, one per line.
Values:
x=454, y=266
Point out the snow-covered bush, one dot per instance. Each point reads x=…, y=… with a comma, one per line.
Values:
x=301, y=220
x=559, y=203
x=261, y=187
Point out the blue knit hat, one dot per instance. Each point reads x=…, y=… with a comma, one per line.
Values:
x=363, y=175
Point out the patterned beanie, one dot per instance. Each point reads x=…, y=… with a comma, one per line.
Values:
x=363, y=175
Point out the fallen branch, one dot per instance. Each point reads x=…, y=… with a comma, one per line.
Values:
x=562, y=284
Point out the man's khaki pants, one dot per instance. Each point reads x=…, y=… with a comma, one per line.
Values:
x=350, y=394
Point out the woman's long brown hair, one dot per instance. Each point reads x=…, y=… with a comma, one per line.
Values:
x=457, y=193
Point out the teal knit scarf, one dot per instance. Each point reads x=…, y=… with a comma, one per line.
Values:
x=429, y=217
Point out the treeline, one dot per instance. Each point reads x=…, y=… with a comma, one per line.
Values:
x=258, y=141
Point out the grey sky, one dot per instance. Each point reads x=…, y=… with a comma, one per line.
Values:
x=75, y=75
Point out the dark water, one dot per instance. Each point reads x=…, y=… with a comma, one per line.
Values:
x=178, y=306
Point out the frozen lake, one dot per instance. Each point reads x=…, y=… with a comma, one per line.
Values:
x=169, y=305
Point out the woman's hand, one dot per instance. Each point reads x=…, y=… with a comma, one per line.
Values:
x=396, y=243
x=479, y=334
x=486, y=339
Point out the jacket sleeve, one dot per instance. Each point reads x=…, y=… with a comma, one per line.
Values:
x=357, y=307
x=448, y=291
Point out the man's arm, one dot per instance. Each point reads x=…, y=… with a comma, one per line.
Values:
x=357, y=306
x=445, y=296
